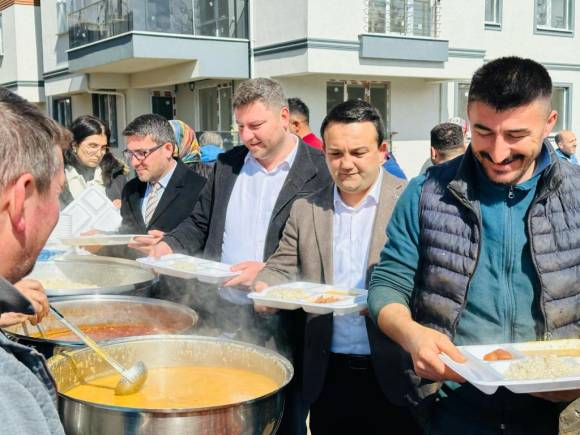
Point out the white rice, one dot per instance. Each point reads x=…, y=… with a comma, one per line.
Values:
x=288, y=293
x=541, y=367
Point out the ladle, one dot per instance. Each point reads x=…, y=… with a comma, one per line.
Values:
x=132, y=378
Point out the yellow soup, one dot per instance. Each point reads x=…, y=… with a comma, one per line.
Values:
x=179, y=388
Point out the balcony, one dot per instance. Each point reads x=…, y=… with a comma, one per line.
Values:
x=403, y=30
x=136, y=35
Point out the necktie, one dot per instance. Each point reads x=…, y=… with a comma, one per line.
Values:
x=152, y=202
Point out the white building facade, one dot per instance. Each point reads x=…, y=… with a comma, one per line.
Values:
x=413, y=59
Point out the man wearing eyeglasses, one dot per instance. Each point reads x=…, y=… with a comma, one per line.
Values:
x=165, y=190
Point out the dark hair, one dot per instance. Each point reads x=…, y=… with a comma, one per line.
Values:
x=29, y=142
x=510, y=82
x=352, y=111
x=446, y=136
x=152, y=125
x=83, y=127
x=296, y=105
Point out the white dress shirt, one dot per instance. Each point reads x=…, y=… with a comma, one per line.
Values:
x=351, y=238
x=249, y=211
x=163, y=182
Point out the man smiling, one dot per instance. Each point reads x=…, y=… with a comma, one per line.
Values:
x=485, y=249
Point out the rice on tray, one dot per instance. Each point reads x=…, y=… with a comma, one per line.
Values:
x=541, y=367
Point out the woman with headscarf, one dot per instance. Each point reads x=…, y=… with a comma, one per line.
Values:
x=188, y=148
x=89, y=162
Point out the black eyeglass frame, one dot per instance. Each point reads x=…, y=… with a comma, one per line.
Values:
x=140, y=155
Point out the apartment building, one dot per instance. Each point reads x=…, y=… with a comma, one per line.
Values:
x=413, y=59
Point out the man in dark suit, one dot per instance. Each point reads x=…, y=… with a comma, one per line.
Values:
x=242, y=211
x=335, y=237
x=150, y=144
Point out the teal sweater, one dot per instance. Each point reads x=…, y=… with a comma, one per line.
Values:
x=502, y=298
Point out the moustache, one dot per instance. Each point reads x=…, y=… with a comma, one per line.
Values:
x=510, y=159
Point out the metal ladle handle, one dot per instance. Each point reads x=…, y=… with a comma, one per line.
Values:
x=90, y=342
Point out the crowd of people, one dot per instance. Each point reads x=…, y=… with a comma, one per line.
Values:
x=482, y=247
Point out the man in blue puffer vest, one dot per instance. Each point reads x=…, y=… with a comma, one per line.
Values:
x=484, y=249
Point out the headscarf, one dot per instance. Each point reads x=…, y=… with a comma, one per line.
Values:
x=187, y=145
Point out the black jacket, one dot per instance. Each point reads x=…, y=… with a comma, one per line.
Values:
x=175, y=204
x=203, y=231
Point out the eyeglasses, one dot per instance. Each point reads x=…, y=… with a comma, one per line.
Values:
x=93, y=149
x=140, y=155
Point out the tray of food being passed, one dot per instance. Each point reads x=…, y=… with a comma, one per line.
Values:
x=531, y=367
x=312, y=298
x=187, y=267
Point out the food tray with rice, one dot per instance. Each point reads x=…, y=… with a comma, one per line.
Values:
x=312, y=298
x=187, y=267
x=531, y=367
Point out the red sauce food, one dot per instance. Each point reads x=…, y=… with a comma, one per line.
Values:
x=497, y=355
x=101, y=331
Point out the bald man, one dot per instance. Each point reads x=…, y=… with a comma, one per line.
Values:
x=566, y=141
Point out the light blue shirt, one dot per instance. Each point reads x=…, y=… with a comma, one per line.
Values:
x=163, y=182
x=572, y=159
x=351, y=237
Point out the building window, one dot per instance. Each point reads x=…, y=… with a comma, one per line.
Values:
x=105, y=108
x=215, y=108
x=375, y=93
x=407, y=17
x=561, y=104
x=61, y=17
x=493, y=14
x=461, y=94
x=62, y=111
x=554, y=15
x=1, y=37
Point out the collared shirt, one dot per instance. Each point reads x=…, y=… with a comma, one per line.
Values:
x=163, y=182
x=249, y=211
x=351, y=238
x=572, y=159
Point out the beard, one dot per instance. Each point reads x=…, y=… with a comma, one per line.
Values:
x=510, y=178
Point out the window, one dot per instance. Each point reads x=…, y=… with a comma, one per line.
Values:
x=215, y=108
x=561, y=104
x=1, y=38
x=407, y=17
x=461, y=93
x=554, y=15
x=492, y=14
x=376, y=93
x=61, y=17
x=105, y=108
x=62, y=111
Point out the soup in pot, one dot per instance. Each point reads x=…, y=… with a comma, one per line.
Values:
x=180, y=387
x=102, y=331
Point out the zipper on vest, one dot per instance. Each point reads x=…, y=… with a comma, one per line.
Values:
x=511, y=194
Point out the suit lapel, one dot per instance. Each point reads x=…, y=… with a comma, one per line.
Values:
x=170, y=193
x=323, y=227
x=302, y=170
x=387, y=199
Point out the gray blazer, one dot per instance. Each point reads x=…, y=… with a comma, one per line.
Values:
x=305, y=253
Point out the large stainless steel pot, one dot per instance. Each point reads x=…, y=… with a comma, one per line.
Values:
x=258, y=416
x=167, y=317
x=89, y=274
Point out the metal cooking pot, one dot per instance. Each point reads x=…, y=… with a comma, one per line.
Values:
x=257, y=416
x=90, y=274
x=167, y=317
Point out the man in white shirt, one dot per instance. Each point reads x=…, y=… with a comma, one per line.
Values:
x=335, y=237
x=242, y=211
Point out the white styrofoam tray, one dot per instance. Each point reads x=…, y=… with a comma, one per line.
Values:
x=101, y=239
x=487, y=376
x=355, y=301
x=93, y=211
x=187, y=267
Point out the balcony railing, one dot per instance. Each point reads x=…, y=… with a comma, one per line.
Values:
x=93, y=20
x=403, y=17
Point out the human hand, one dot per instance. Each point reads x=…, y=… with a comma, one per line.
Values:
x=34, y=292
x=260, y=286
x=249, y=270
x=559, y=396
x=152, y=246
x=425, y=344
x=117, y=203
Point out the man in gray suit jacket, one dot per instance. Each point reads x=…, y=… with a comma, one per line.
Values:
x=335, y=236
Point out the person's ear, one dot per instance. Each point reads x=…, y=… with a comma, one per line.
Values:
x=384, y=150
x=22, y=189
x=550, y=123
x=434, y=155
